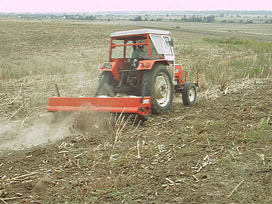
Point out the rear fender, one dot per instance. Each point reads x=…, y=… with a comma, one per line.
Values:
x=149, y=64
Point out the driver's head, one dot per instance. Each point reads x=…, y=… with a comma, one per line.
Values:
x=141, y=46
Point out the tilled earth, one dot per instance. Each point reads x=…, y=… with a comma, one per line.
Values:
x=217, y=151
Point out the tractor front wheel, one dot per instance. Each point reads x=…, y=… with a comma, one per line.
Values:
x=189, y=94
x=157, y=83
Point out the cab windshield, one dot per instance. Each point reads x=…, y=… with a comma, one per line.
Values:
x=127, y=47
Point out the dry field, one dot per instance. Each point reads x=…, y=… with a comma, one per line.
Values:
x=214, y=152
x=35, y=55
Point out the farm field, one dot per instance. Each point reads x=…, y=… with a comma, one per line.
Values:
x=216, y=151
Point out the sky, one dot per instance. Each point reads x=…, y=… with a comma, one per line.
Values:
x=38, y=6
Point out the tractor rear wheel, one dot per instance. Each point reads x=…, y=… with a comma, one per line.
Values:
x=189, y=94
x=105, y=85
x=157, y=83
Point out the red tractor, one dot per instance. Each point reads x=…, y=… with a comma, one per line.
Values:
x=140, y=77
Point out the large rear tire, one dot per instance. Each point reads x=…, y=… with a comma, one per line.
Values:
x=157, y=83
x=189, y=94
x=106, y=85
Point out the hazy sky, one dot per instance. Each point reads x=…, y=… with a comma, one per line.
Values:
x=130, y=5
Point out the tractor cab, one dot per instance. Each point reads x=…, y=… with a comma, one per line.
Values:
x=154, y=44
x=135, y=46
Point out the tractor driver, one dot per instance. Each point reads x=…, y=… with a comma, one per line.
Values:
x=139, y=53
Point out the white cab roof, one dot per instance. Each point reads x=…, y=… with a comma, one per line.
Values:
x=139, y=32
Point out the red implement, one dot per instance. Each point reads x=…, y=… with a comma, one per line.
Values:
x=138, y=105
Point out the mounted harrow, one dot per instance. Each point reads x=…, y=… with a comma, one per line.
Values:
x=141, y=106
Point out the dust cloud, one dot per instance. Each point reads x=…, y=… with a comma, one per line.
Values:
x=51, y=127
x=47, y=128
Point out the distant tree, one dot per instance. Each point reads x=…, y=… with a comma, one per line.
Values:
x=210, y=18
x=90, y=17
x=138, y=18
x=195, y=18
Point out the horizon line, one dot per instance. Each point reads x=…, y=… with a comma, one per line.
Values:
x=122, y=11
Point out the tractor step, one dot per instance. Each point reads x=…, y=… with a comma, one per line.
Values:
x=138, y=105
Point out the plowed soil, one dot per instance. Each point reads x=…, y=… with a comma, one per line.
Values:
x=217, y=151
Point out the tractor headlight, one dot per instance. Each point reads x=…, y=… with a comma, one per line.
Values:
x=146, y=101
x=107, y=65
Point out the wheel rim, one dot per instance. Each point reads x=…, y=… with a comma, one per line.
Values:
x=192, y=95
x=162, y=89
